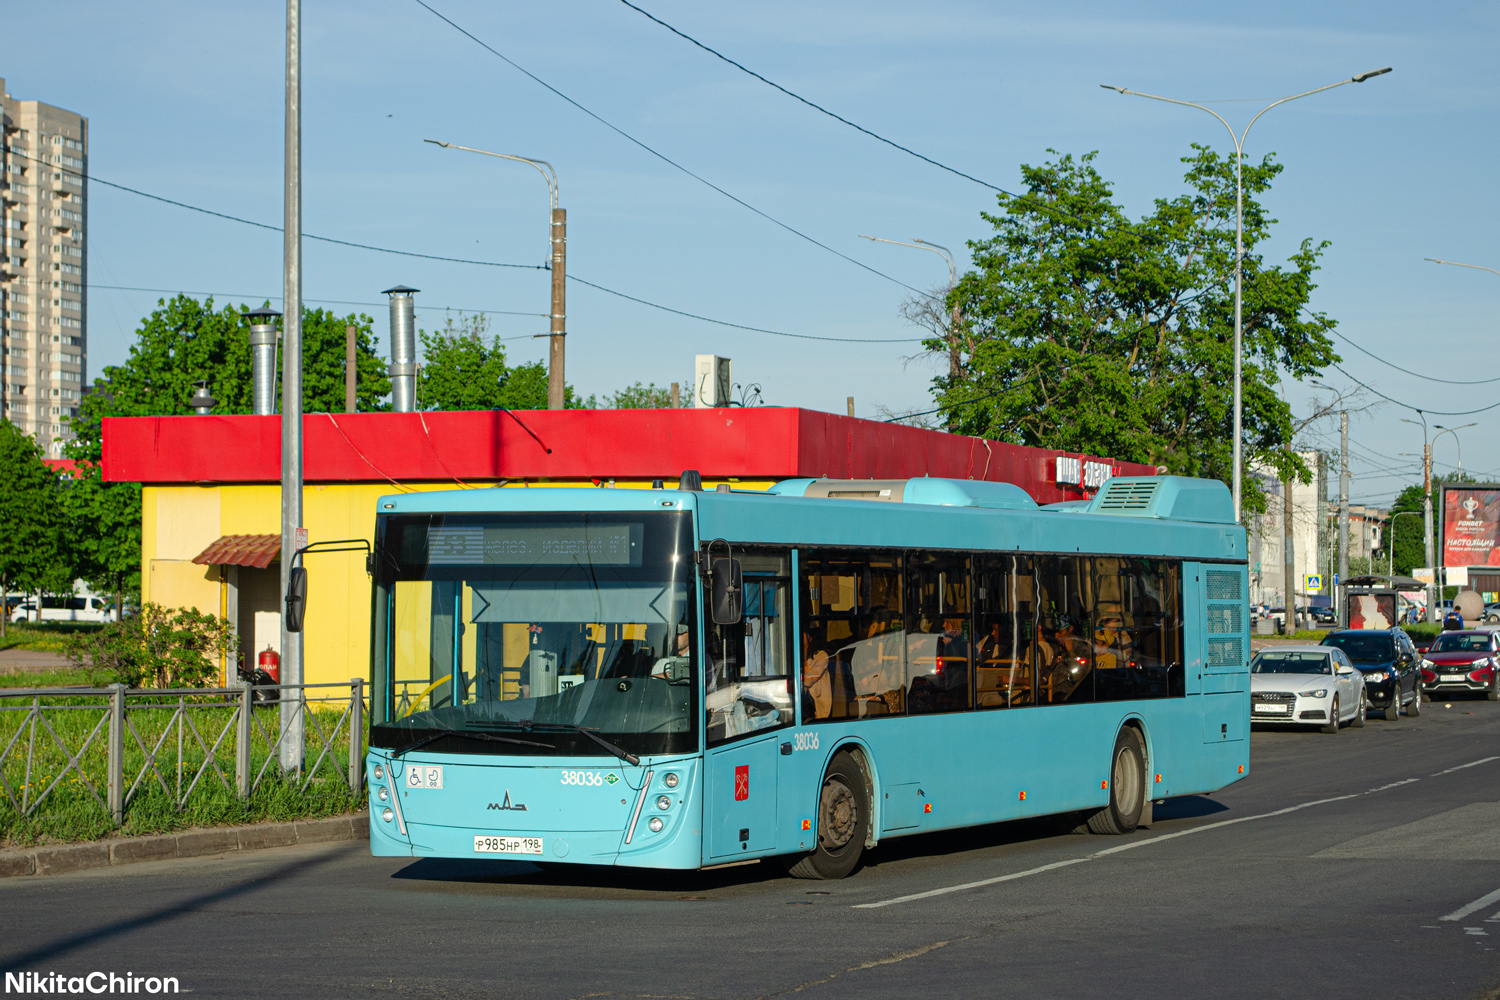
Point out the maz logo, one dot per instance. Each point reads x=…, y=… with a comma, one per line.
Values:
x=506, y=804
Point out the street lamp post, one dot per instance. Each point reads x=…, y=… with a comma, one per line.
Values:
x=1390, y=549
x=1454, y=263
x=1239, y=243
x=955, y=369
x=1441, y=430
x=557, y=352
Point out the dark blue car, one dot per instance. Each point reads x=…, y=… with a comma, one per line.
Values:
x=1390, y=664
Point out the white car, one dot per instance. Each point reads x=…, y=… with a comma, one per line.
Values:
x=63, y=609
x=1306, y=686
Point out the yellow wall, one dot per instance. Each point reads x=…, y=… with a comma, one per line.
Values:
x=178, y=522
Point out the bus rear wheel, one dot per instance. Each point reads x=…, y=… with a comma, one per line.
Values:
x=843, y=822
x=1127, y=786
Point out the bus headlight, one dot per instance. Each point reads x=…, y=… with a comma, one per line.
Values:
x=379, y=773
x=656, y=824
x=383, y=794
x=669, y=779
x=663, y=802
x=386, y=814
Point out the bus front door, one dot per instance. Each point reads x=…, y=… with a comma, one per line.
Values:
x=741, y=798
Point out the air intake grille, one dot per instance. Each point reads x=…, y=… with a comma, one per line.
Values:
x=1127, y=495
x=1223, y=585
x=1226, y=652
x=1226, y=619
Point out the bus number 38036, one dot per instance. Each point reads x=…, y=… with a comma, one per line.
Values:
x=582, y=778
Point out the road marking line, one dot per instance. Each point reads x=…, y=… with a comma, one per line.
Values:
x=1472, y=763
x=1478, y=904
x=1098, y=854
x=1394, y=784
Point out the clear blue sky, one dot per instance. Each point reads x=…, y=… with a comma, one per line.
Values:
x=185, y=101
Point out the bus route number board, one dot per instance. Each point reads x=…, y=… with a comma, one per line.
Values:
x=507, y=845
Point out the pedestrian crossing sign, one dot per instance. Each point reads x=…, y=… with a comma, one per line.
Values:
x=1313, y=582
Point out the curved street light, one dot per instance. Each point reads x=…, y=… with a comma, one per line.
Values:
x=954, y=368
x=1454, y=263
x=557, y=352
x=1239, y=240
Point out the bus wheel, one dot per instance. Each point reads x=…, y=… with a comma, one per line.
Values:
x=1127, y=786
x=843, y=822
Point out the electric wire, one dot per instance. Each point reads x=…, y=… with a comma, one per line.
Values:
x=1414, y=409
x=276, y=229
x=662, y=156
x=741, y=326
x=458, y=260
x=276, y=298
x=1429, y=378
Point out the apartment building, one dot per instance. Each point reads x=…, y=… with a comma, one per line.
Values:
x=1267, y=534
x=43, y=267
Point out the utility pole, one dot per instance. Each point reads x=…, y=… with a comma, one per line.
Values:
x=1338, y=592
x=1427, y=525
x=1289, y=553
x=555, y=392
x=291, y=386
x=351, y=369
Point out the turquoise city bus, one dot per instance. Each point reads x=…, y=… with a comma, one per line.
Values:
x=685, y=679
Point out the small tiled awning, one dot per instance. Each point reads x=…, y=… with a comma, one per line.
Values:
x=241, y=550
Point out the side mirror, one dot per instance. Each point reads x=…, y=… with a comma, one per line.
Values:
x=728, y=594
x=296, y=598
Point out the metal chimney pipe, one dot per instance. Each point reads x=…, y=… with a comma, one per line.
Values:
x=263, y=337
x=403, y=348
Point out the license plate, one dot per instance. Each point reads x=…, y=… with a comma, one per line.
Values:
x=1265, y=709
x=507, y=845
x=1445, y=678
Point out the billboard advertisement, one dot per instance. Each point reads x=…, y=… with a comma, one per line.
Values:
x=1471, y=525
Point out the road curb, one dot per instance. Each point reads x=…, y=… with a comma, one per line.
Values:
x=61, y=858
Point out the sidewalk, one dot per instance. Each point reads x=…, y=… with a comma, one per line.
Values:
x=60, y=858
x=17, y=661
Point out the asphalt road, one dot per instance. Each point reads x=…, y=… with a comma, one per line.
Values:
x=1328, y=873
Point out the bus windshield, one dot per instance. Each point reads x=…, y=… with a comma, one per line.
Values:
x=531, y=627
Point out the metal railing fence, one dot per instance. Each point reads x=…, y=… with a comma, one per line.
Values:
x=109, y=749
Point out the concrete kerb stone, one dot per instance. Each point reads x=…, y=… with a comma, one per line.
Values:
x=191, y=844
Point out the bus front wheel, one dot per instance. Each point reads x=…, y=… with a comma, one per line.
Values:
x=1127, y=786
x=843, y=822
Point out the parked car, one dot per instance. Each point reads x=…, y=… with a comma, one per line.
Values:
x=1464, y=661
x=1492, y=613
x=1391, y=666
x=63, y=609
x=1306, y=685
x=1324, y=616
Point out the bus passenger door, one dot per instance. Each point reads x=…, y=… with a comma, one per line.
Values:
x=748, y=708
x=741, y=798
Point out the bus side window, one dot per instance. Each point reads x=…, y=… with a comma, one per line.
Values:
x=853, y=641
x=748, y=684
x=1065, y=651
x=938, y=632
x=1005, y=610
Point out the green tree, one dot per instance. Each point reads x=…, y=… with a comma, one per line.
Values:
x=1408, y=548
x=31, y=533
x=1088, y=331
x=185, y=340
x=103, y=522
x=160, y=647
x=461, y=370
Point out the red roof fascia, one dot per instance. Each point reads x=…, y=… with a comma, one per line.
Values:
x=749, y=443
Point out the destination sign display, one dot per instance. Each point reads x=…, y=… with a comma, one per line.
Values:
x=535, y=545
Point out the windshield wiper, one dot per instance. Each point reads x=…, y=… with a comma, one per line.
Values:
x=434, y=737
x=619, y=752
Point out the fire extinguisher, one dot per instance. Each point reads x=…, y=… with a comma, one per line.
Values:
x=269, y=663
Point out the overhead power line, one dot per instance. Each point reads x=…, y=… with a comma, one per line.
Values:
x=662, y=156
x=458, y=260
x=276, y=229
x=1404, y=371
x=1416, y=409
